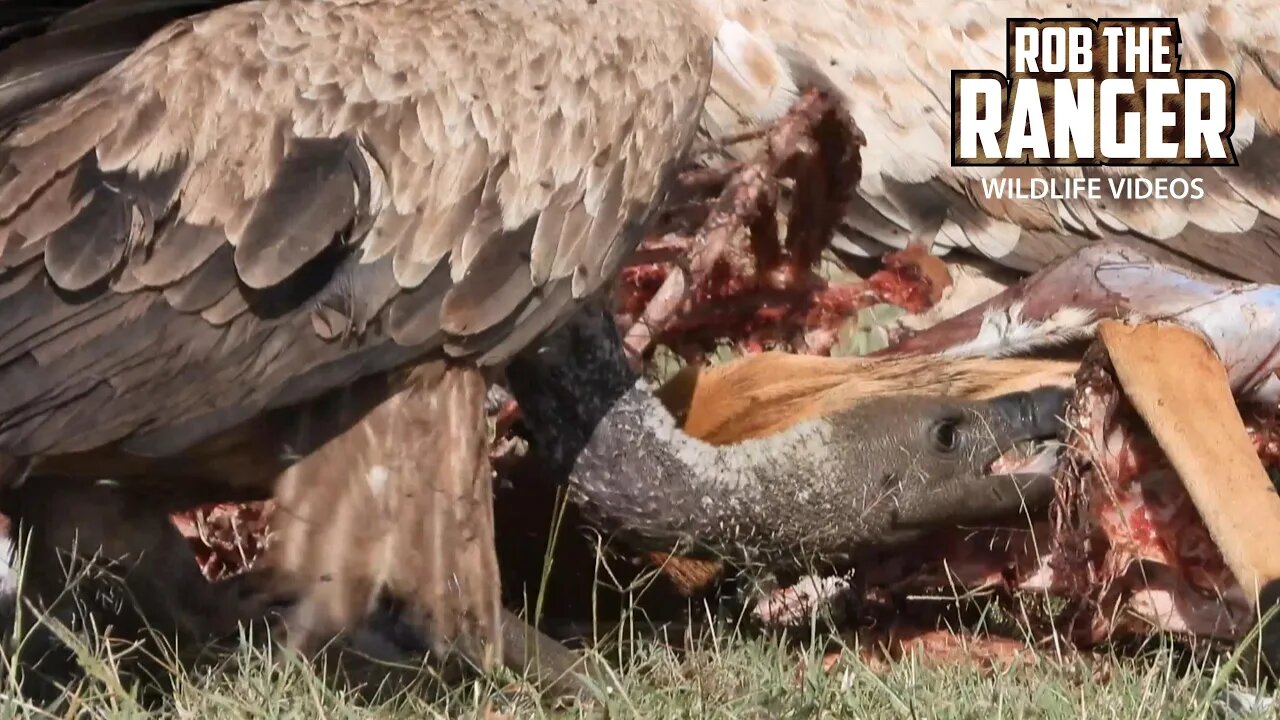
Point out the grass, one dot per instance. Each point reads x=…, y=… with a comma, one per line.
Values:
x=714, y=669
x=718, y=673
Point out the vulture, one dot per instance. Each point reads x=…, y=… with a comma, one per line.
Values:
x=280, y=246
x=211, y=213
x=891, y=64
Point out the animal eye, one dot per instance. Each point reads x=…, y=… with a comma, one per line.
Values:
x=945, y=435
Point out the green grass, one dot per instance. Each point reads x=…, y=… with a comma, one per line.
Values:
x=713, y=669
x=719, y=674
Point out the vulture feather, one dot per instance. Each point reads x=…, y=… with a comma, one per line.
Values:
x=892, y=62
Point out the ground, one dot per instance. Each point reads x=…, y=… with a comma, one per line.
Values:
x=722, y=675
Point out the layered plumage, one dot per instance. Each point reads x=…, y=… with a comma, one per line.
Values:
x=274, y=198
x=262, y=204
x=892, y=64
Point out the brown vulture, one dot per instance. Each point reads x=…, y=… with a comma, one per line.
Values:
x=309, y=229
x=206, y=217
x=892, y=61
x=277, y=247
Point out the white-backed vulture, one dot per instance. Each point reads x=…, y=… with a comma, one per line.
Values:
x=269, y=201
x=891, y=63
x=284, y=204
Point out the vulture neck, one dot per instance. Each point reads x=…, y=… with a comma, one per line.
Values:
x=637, y=475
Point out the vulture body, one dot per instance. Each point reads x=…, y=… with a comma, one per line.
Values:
x=260, y=205
x=891, y=63
x=269, y=200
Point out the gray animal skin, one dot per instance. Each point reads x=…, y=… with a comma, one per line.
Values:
x=882, y=473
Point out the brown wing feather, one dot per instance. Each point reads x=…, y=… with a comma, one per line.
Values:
x=90, y=245
x=206, y=283
x=305, y=146
x=311, y=199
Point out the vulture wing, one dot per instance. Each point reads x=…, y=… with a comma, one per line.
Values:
x=893, y=62
x=61, y=44
x=271, y=199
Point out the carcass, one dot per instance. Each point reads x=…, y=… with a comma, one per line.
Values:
x=1124, y=540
